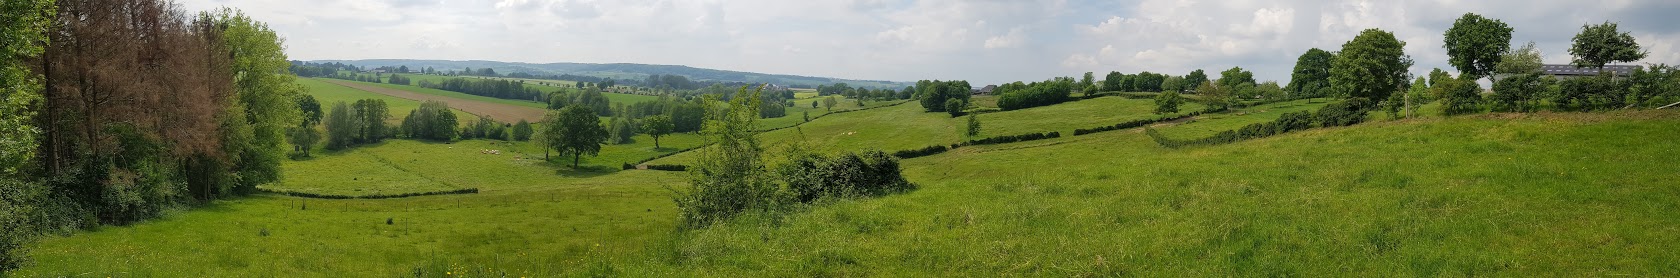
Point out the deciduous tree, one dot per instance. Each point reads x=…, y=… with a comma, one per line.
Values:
x=1475, y=45
x=1602, y=44
x=1371, y=67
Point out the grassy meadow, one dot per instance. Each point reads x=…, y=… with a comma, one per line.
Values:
x=1543, y=194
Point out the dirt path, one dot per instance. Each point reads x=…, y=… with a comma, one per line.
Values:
x=502, y=112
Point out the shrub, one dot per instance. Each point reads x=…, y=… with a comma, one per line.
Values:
x=930, y=150
x=811, y=177
x=1515, y=93
x=1460, y=96
x=1283, y=124
x=1342, y=113
x=1017, y=96
x=665, y=167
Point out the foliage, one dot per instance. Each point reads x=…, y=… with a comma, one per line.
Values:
x=486, y=128
x=432, y=121
x=370, y=121
x=1195, y=78
x=23, y=27
x=575, y=131
x=1234, y=77
x=729, y=178
x=1113, y=82
x=1659, y=85
x=1167, y=102
x=811, y=177
x=1214, y=96
x=955, y=107
x=1523, y=60
x=522, y=131
x=1370, y=67
x=1342, y=113
x=1460, y=96
x=1311, y=77
x=1174, y=84
x=1017, y=96
x=1588, y=93
x=1516, y=93
x=1475, y=44
x=973, y=125
x=496, y=88
x=929, y=150
x=590, y=98
x=620, y=131
x=264, y=92
x=934, y=94
x=1417, y=96
x=341, y=126
x=657, y=126
x=1602, y=44
x=399, y=80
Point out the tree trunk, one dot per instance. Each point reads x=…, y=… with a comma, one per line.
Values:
x=577, y=157
x=656, y=142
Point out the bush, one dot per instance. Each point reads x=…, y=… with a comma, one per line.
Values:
x=1588, y=93
x=1010, y=139
x=930, y=150
x=1460, y=97
x=665, y=167
x=1515, y=93
x=811, y=177
x=1342, y=113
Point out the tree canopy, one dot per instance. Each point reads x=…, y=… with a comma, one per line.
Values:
x=1602, y=44
x=1475, y=44
x=1312, y=73
x=1370, y=67
x=575, y=131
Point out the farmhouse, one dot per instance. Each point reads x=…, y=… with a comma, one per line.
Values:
x=985, y=90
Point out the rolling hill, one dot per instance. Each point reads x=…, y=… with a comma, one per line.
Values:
x=625, y=71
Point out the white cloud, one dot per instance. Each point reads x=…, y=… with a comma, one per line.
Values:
x=985, y=41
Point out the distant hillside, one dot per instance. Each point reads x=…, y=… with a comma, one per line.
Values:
x=625, y=71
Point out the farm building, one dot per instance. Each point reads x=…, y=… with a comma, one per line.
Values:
x=985, y=90
x=1571, y=71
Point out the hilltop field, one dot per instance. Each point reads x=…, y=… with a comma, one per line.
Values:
x=1573, y=194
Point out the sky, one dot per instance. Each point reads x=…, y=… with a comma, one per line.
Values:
x=983, y=41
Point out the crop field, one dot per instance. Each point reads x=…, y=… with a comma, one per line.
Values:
x=328, y=93
x=501, y=110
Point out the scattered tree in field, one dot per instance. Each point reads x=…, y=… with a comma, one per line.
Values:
x=304, y=136
x=1371, y=67
x=1167, y=102
x=829, y=103
x=973, y=125
x=1523, y=60
x=1475, y=45
x=1311, y=77
x=1602, y=44
x=659, y=125
x=575, y=131
x=522, y=130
